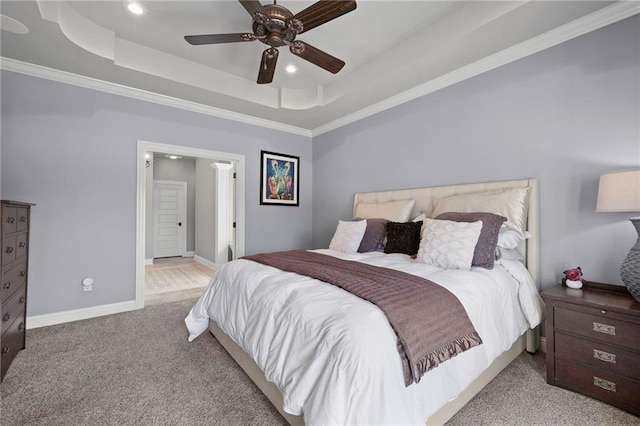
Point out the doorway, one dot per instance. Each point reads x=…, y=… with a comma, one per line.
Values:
x=145, y=195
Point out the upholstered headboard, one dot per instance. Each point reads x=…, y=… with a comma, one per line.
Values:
x=425, y=197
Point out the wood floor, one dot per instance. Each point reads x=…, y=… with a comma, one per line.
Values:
x=175, y=278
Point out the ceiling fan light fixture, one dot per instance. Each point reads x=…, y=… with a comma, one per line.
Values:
x=135, y=8
x=291, y=69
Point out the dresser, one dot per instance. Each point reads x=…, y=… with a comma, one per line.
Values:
x=593, y=343
x=13, y=293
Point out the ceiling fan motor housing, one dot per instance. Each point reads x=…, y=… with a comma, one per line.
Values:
x=277, y=27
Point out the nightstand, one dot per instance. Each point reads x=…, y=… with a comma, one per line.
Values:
x=593, y=343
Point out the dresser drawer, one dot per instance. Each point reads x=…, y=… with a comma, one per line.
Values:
x=12, y=280
x=594, y=324
x=8, y=250
x=12, y=343
x=9, y=220
x=600, y=384
x=22, y=219
x=21, y=245
x=599, y=355
x=13, y=309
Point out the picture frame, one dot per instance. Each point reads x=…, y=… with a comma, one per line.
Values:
x=279, y=179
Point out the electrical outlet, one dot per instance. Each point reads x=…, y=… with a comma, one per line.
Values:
x=87, y=284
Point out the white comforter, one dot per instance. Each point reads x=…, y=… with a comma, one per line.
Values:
x=333, y=355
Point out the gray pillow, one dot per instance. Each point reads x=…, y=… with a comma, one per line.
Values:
x=373, y=235
x=484, y=253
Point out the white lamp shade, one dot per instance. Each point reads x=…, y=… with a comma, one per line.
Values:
x=619, y=192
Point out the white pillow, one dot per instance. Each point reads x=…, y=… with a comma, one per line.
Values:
x=394, y=211
x=418, y=218
x=348, y=236
x=511, y=203
x=448, y=244
x=508, y=238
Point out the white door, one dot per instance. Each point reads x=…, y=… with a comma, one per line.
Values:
x=169, y=218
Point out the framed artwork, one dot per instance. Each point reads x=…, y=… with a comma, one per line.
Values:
x=279, y=179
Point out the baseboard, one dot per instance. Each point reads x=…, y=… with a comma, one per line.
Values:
x=189, y=254
x=206, y=262
x=37, y=321
x=148, y=262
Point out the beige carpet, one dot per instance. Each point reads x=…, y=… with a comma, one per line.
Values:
x=168, y=275
x=137, y=368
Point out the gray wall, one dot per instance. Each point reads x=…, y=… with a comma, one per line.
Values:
x=73, y=152
x=563, y=116
x=183, y=170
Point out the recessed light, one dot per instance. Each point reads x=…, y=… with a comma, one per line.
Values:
x=173, y=157
x=135, y=8
x=291, y=68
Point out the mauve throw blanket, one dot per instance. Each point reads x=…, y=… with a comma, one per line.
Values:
x=431, y=323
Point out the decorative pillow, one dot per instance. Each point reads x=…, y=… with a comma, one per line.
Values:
x=396, y=211
x=403, y=237
x=511, y=203
x=348, y=236
x=509, y=239
x=448, y=244
x=373, y=235
x=484, y=253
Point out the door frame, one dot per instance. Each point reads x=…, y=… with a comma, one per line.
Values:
x=141, y=198
x=182, y=213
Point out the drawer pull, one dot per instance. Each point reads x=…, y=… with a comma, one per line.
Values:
x=6, y=317
x=23, y=273
x=22, y=299
x=21, y=326
x=22, y=244
x=23, y=219
x=604, y=356
x=11, y=219
x=9, y=250
x=604, y=328
x=5, y=349
x=604, y=384
x=7, y=285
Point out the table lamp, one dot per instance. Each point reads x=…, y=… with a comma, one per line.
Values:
x=620, y=192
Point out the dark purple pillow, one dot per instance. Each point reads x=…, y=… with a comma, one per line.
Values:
x=373, y=235
x=403, y=237
x=484, y=253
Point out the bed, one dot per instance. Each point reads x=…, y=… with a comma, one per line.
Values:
x=324, y=356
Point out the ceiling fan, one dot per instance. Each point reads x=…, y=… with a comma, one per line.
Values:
x=276, y=26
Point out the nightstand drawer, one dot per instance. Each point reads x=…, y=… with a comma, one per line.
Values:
x=592, y=323
x=13, y=309
x=599, y=355
x=600, y=384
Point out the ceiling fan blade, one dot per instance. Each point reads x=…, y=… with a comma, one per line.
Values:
x=218, y=38
x=268, y=65
x=323, y=11
x=253, y=7
x=317, y=57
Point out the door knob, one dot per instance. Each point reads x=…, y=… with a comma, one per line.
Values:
x=179, y=223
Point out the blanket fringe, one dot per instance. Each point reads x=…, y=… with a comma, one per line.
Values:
x=444, y=353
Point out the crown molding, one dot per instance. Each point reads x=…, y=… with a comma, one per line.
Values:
x=606, y=16
x=26, y=68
